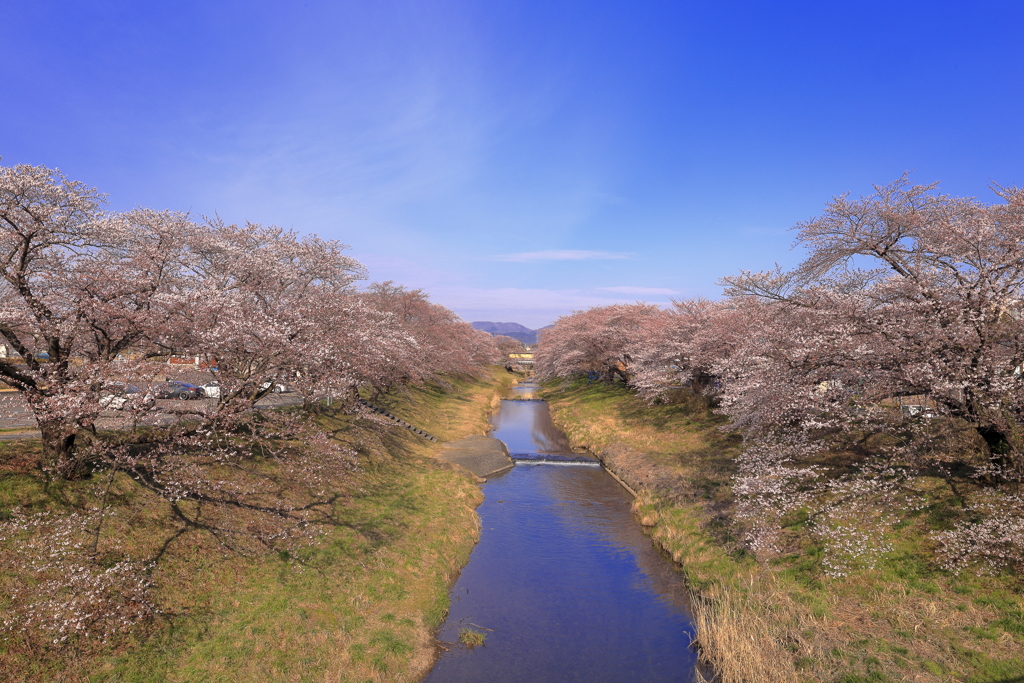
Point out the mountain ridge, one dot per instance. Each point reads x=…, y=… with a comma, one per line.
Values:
x=514, y=330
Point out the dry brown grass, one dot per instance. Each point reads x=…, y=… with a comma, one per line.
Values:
x=451, y=415
x=785, y=620
x=738, y=634
x=738, y=610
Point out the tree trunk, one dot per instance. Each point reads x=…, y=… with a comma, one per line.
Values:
x=701, y=382
x=1000, y=450
x=59, y=457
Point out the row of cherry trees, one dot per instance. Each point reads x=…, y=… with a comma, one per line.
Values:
x=88, y=297
x=905, y=296
x=92, y=304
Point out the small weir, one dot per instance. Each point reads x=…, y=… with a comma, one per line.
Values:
x=540, y=459
x=564, y=585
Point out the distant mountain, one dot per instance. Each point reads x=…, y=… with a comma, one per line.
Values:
x=514, y=330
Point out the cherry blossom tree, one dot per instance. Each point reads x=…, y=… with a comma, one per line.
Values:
x=79, y=286
x=269, y=306
x=598, y=340
x=906, y=292
x=89, y=297
x=507, y=345
x=685, y=347
x=443, y=344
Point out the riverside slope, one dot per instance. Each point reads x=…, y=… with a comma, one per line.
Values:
x=786, y=619
x=481, y=455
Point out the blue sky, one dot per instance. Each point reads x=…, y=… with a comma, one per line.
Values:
x=518, y=160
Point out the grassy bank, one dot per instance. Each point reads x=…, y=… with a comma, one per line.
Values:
x=787, y=620
x=358, y=605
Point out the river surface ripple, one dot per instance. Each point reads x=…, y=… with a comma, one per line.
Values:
x=564, y=583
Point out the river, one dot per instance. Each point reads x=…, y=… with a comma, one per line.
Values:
x=564, y=584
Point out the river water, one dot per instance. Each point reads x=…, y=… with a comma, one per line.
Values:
x=563, y=583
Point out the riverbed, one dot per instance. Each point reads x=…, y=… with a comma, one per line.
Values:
x=563, y=585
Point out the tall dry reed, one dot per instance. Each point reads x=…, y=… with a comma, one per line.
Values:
x=739, y=634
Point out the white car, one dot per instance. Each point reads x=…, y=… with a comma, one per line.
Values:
x=913, y=410
x=113, y=401
x=119, y=395
x=212, y=389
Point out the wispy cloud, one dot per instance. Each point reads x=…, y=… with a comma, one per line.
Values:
x=642, y=291
x=534, y=308
x=561, y=255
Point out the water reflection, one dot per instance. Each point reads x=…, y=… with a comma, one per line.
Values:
x=563, y=576
x=561, y=584
x=526, y=426
x=525, y=390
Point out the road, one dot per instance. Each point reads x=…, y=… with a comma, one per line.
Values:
x=17, y=421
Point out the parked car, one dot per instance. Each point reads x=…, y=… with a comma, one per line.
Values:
x=180, y=390
x=277, y=388
x=211, y=389
x=914, y=410
x=117, y=395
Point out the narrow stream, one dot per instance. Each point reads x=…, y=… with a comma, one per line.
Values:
x=564, y=584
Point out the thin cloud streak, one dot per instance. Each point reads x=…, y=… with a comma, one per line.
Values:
x=532, y=307
x=641, y=291
x=561, y=255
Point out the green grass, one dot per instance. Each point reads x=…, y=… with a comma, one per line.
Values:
x=359, y=605
x=471, y=638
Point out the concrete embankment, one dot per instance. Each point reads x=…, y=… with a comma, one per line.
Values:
x=484, y=456
x=635, y=471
